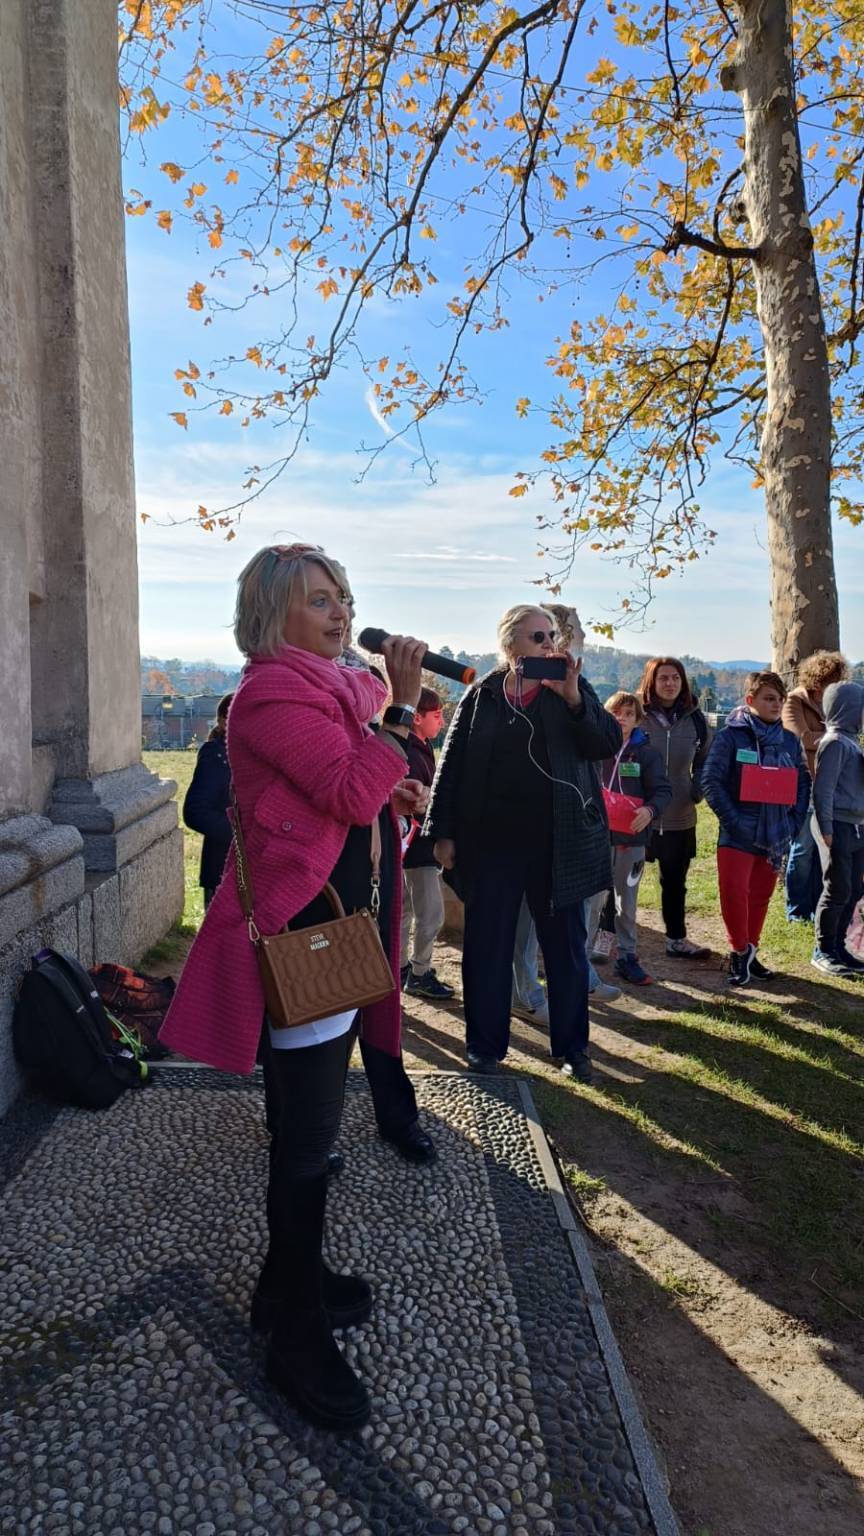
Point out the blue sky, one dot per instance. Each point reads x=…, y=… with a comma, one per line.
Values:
x=440, y=559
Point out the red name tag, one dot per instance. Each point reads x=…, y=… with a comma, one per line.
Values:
x=769, y=786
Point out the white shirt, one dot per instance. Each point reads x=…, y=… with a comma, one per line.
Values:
x=316, y=1033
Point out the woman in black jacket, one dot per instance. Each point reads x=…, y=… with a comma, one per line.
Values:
x=517, y=810
x=205, y=808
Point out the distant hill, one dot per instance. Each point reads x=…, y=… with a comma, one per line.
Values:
x=737, y=666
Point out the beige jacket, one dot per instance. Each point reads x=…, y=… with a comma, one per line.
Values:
x=806, y=719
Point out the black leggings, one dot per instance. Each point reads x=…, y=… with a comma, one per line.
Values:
x=303, y=1095
x=673, y=852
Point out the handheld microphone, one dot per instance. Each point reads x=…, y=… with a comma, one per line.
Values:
x=445, y=666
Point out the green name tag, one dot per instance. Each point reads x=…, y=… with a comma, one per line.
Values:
x=743, y=756
x=630, y=770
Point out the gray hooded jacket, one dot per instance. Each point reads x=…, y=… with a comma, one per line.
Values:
x=838, y=788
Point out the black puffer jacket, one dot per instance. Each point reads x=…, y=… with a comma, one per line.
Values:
x=575, y=741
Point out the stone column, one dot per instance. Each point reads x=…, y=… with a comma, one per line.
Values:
x=101, y=874
x=84, y=661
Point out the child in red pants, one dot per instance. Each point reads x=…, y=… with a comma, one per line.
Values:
x=754, y=836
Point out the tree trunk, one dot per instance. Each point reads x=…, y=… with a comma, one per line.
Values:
x=796, y=441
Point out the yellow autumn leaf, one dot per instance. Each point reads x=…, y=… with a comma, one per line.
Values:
x=253, y=355
x=172, y=170
x=328, y=288
x=180, y=418
x=165, y=219
x=517, y=490
x=225, y=408
x=428, y=233
x=215, y=239
x=232, y=177
x=195, y=296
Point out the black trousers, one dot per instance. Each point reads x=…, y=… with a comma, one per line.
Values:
x=393, y=1096
x=674, y=853
x=843, y=884
x=493, y=900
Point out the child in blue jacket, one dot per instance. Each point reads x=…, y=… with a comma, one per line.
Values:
x=754, y=837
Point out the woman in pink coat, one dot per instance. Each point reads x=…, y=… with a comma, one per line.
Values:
x=310, y=779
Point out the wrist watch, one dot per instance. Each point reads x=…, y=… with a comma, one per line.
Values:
x=400, y=714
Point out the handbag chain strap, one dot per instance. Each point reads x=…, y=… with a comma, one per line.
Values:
x=244, y=879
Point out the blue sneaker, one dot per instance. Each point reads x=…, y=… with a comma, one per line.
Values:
x=629, y=969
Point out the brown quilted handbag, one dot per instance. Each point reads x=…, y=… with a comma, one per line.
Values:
x=315, y=972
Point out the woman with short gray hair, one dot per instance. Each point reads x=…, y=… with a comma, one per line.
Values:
x=310, y=779
x=517, y=810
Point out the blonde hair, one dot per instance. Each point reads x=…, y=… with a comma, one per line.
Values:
x=822, y=668
x=267, y=587
x=616, y=700
x=507, y=626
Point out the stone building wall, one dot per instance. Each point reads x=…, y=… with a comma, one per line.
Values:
x=90, y=851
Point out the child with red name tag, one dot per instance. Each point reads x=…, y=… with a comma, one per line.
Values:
x=635, y=790
x=756, y=782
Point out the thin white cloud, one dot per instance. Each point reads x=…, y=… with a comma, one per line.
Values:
x=454, y=556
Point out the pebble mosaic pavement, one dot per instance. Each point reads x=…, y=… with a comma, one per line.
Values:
x=133, y=1396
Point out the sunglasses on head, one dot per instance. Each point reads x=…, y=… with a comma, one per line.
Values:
x=539, y=635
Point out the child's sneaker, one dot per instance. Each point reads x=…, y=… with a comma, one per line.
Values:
x=831, y=965
x=760, y=972
x=740, y=962
x=629, y=969
x=685, y=949
x=428, y=985
x=606, y=992
x=538, y=1015
x=604, y=943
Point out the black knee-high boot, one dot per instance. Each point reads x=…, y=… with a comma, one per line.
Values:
x=347, y=1298
x=303, y=1359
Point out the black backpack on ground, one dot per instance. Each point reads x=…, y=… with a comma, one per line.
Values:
x=61, y=1032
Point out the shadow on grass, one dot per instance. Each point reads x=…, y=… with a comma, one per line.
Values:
x=764, y=1198
x=764, y=1472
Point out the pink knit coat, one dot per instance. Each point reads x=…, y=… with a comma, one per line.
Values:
x=306, y=768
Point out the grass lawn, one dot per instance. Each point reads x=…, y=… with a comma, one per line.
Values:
x=179, y=766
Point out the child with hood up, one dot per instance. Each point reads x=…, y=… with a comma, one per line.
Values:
x=838, y=827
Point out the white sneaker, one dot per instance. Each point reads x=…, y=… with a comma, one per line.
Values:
x=538, y=1015
x=605, y=992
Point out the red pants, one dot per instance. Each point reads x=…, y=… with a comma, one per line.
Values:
x=746, y=883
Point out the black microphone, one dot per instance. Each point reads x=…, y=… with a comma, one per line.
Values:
x=445, y=666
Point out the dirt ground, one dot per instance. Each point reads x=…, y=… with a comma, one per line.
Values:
x=750, y=1378
x=751, y=1382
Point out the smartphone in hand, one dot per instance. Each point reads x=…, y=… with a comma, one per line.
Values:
x=552, y=667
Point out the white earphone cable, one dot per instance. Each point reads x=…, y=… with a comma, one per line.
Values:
x=520, y=713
